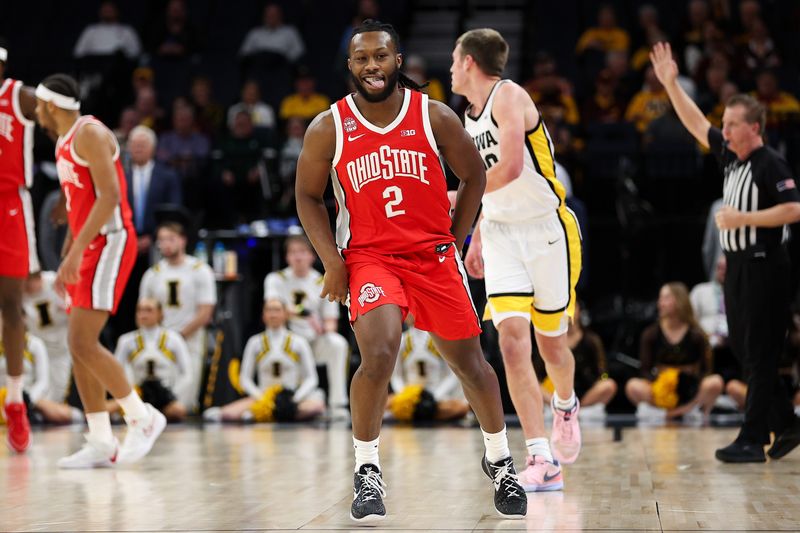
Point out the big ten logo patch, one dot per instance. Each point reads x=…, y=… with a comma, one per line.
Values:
x=350, y=125
x=370, y=293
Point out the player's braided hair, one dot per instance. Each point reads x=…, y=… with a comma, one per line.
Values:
x=63, y=84
x=370, y=25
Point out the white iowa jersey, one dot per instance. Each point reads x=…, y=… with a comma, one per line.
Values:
x=158, y=350
x=46, y=316
x=180, y=289
x=420, y=363
x=35, y=371
x=536, y=193
x=278, y=357
x=302, y=297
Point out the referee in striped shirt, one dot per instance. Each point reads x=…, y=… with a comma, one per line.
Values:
x=760, y=198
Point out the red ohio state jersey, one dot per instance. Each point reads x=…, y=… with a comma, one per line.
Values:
x=76, y=181
x=390, y=187
x=16, y=140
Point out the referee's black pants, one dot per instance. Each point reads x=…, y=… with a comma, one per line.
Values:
x=757, y=299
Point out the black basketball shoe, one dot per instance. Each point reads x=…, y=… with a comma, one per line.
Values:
x=509, y=496
x=368, y=494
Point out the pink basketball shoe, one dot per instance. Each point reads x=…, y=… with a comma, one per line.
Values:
x=541, y=475
x=565, y=439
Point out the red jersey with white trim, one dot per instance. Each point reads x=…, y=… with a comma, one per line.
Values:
x=76, y=181
x=390, y=187
x=16, y=140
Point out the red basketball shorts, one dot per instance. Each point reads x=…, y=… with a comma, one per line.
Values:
x=18, y=256
x=431, y=286
x=105, y=268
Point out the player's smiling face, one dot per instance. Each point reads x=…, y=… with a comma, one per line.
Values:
x=374, y=65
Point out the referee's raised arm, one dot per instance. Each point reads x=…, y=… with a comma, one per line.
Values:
x=666, y=71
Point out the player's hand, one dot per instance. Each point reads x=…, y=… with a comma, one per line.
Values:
x=61, y=291
x=665, y=68
x=729, y=218
x=474, y=259
x=334, y=286
x=69, y=269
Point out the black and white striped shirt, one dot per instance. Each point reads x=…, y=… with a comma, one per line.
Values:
x=761, y=181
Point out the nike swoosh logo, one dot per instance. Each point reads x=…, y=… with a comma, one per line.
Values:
x=553, y=242
x=13, y=212
x=442, y=258
x=549, y=478
x=351, y=138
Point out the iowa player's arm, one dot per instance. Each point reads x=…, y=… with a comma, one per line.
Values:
x=313, y=169
x=93, y=144
x=464, y=160
x=512, y=105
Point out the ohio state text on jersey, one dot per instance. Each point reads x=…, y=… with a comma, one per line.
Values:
x=390, y=187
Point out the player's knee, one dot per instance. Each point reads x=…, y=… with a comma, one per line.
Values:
x=377, y=363
x=80, y=346
x=470, y=369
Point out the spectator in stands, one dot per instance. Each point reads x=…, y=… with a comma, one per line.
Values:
x=287, y=163
x=277, y=375
x=708, y=303
x=699, y=13
x=759, y=52
x=109, y=36
x=618, y=65
x=209, y=114
x=150, y=184
x=415, y=68
x=782, y=107
x=305, y=102
x=641, y=57
x=708, y=95
x=606, y=36
x=240, y=169
x=150, y=114
x=649, y=103
x=676, y=360
x=604, y=106
x=186, y=289
x=174, y=36
x=667, y=130
x=274, y=36
x=749, y=15
x=545, y=71
x=142, y=77
x=157, y=360
x=592, y=384
x=313, y=318
x=184, y=148
x=424, y=388
x=128, y=119
x=716, y=50
x=261, y=114
x=727, y=90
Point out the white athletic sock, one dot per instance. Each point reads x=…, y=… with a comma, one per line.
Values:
x=541, y=447
x=133, y=406
x=366, y=452
x=564, y=405
x=13, y=389
x=496, y=445
x=100, y=426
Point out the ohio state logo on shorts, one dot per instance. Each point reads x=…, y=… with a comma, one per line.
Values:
x=370, y=293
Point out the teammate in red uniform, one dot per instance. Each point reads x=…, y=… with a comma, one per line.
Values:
x=397, y=250
x=17, y=238
x=100, y=252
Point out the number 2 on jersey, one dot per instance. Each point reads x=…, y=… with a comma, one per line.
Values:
x=396, y=194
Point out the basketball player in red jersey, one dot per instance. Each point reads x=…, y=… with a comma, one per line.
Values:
x=17, y=238
x=100, y=253
x=397, y=250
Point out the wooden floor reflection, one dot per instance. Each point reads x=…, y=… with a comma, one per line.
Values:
x=262, y=478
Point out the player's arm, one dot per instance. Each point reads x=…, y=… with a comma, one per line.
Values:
x=308, y=370
x=94, y=145
x=313, y=168
x=464, y=160
x=508, y=111
x=207, y=296
x=666, y=71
